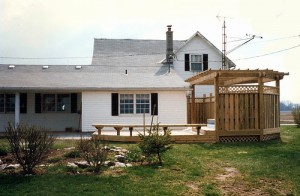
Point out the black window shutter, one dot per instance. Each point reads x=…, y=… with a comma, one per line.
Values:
x=154, y=103
x=73, y=102
x=114, y=104
x=23, y=103
x=186, y=62
x=38, y=103
x=205, y=62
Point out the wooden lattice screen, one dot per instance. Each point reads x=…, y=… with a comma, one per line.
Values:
x=239, y=108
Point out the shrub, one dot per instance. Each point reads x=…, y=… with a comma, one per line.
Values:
x=73, y=154
x=134, y=154
x=93, y=151
x=3, y=151
x=155, y=144
x=29, y=145
x=296, y=115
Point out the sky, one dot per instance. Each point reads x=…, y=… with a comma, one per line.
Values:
x=48, y=29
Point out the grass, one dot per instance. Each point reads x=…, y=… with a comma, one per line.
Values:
x=271, y=168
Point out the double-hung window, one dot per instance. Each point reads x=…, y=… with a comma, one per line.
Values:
x=142, y=103
x=10, y=103
x=56, y=102
x=196, y=62
x=126, y=103
x=134, y=103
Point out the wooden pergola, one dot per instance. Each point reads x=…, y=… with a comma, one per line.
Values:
x=246, y=109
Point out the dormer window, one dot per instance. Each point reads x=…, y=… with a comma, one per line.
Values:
x=196, y=62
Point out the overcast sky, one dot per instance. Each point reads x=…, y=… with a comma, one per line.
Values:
x=67, y=28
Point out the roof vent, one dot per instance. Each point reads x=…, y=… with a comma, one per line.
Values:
x=45, y=66
x=78, y=67
x=11, y=66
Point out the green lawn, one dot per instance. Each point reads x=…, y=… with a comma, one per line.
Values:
x=270, y=168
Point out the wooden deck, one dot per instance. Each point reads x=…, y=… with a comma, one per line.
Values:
x=177, y=136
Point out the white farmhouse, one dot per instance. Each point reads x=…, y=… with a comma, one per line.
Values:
x=126, y=79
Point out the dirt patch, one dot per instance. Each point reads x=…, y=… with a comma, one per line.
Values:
x=230, y=172
x=232, y=182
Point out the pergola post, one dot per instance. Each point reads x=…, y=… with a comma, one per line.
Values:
x=193, y=111
x=278, y=102
x=261, y=107
x=217, y=126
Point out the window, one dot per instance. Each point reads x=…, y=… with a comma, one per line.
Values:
x=10, y=103
x=142, y=103
x=134, y=103
x=126, y=104
x=196, y=62
x=56, y=102
x=49, y=102
x=63, y=102
x=2, y=102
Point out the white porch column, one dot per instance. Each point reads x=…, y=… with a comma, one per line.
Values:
x=17, y=109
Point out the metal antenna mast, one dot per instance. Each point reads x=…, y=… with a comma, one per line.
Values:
x=224, y=44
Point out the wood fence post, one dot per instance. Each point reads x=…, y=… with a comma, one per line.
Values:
x=261, y=107
x=217, y=126
x=193, y=105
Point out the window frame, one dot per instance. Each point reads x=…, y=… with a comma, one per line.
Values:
x=55, y=103
x=5, y=105
x=135, y=104
x=201, y=62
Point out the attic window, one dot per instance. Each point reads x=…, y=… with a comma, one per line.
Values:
x=11, y=66
x=45, y=67
x=196, y=62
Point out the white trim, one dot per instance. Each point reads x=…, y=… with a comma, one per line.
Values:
x=17, y=109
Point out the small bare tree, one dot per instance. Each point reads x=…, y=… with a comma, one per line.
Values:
x=93, y=151
x=29, y=145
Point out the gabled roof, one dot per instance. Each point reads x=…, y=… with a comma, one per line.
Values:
x=130, y=52
x=229, y=62
x=88, y=77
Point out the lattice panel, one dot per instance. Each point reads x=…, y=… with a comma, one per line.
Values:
x=227, y=139
x=271, y=90
x=274, y=136
x=238, y=89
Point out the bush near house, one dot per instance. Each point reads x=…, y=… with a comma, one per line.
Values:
x=296, y=115
x=29, y=145
x=93, y=151
x=155, y=144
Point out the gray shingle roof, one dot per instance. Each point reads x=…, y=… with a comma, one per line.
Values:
x=111, y=58
x=130, y=52
x=66, y=77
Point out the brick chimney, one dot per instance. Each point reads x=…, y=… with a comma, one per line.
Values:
x=169, y=45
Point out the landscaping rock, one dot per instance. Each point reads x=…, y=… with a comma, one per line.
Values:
x=71, y=165
x=128, y=165
x=82, y=164
x=70, y=148
x=3, y=166
x=12, y=166
x=109, y=163
x=1, y=162
x=106, y=147
x=120, y=158
x=118, y=164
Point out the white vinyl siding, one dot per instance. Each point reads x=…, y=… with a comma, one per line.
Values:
x=96, y=108
x=214, y=61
